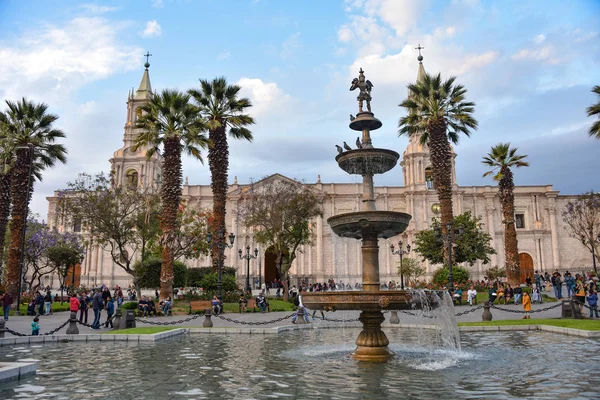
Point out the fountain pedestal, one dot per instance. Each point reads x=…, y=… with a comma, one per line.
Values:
x=372, y=344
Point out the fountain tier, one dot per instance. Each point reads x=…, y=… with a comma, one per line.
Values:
x=367, y=161
x=356, y=225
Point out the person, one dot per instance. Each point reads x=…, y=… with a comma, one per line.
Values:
x=39, y=303
x=48, y=302
x=105, y=295
x=262, y=303
x=151, y=306
x=537, y=278
x=472, y=295
x=579, y=292
x=166, y=306
x=83, y=308
x=31, y=308
x=35, y=326
x=528, y=281
x=110, y=310
x=301, y=309
x=517, y=292
x=526, y=305
x=557, y=283
x=492, y=293
x=457, y=296
x=536, y=296
x=500, y=293
x=74, y=303
x=243, y=303
x=263, y=288
x=592, y=300
x=143, y=306
x=570, y=284
x=156, y=297
x=278, y=293
x=508, y=293
x=216, y=305
x=6, y=303
x=97, y=306
x=119, y=296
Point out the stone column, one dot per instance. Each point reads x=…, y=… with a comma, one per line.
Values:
x=319, y=246
x=489, y=208
x=554, y=233
x=370, y=258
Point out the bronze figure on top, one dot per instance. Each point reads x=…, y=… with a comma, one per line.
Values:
x=365, y=86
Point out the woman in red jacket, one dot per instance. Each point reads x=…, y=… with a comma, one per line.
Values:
x=74, y=305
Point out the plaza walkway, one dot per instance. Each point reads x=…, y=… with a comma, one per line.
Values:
x=22, y=324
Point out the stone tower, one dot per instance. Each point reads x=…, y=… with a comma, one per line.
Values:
x=416, y=165
x=129, y=167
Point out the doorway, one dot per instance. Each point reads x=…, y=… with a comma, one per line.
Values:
x=271, y=272
x=526, y=263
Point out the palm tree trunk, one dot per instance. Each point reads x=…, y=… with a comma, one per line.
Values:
x=218, y=162
x=4, y=211
x=18, y=193
x=511, y=248
x=170, y=193
x=441, y=161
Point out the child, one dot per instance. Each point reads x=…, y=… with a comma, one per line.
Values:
x=526, y=305
x=35, y=327
x=593, y=303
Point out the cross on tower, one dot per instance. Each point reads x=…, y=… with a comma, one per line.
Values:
x=148, y=55
x=419, y=48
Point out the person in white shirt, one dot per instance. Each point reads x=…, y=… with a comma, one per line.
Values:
x=471, y=295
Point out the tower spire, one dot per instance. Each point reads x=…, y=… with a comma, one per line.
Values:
x=145, y=89
x=421, y=72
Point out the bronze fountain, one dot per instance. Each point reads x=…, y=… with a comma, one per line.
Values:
x=368, y=226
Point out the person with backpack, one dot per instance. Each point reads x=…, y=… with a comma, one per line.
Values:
x=110, y=310
x=301, y=309
x=83, y=308
x=97, y=306
x=48, y=302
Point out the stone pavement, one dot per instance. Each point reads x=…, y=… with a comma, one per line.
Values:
x=22, y=324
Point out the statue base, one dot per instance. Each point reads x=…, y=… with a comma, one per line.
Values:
x=365, y=121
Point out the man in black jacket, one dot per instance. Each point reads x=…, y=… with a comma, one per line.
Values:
x=97, y=306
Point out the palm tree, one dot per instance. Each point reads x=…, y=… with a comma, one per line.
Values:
x=501, y=159
x=595, y=110
x=170, y=123
x=221, y=110
x=6, y=159
x=437, y=111
x=28, y=130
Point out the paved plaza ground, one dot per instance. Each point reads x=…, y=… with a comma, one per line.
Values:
x=22, y=324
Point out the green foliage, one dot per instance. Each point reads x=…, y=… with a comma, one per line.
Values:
x=411, y=269
x=149, y=273
x=472, y=245
x=495, y=273
x=195, y=275
x=129, y=305
x=209, y=283
x=460, y=275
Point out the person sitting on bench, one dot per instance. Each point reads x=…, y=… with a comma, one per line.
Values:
x=243, y=303
x=151, y=306
x=216, y=305
x=166, y=306
x=143, y=306
x=262, y=303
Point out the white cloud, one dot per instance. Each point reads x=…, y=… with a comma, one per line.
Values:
x=52, y=61
x=153, y=29
x=266, y=97
x=224, y=55
x=539, y=39
x=290, y=47
x=400, y=15
x=474, y=61
x=158, y=3
x=546, y=53
x=345, y=34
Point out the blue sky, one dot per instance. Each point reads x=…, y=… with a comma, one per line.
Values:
x=529, y=67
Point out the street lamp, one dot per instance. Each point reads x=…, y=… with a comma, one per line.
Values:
x=594, y=253
x=248, y=257
x=401, y=252
x=221, y=244
x=28, y=191
x=449, y=240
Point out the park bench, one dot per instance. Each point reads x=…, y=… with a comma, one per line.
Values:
x=252, y=304
x=200, y=305
x=464, y=299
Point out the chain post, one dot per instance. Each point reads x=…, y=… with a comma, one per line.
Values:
x=207, y=318
x=487, y=314
x=2, y=327
x=72, y=329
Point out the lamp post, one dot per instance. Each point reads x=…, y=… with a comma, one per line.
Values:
x=401, y=252
x=594, y=253
x=22, y=255
x=221, y=243
x=248, y=257
x=450, y=242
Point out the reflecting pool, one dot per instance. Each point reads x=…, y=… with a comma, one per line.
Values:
x=312, y=364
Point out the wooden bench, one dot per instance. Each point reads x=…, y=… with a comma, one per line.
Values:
x=200, y=305
x=252, y=304
x=464, y=299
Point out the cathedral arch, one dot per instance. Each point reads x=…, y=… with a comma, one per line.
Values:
x=131, y=179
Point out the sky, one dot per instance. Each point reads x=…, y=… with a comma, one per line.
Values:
x=529, y=67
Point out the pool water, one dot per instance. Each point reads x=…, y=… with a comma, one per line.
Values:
x=312, y=364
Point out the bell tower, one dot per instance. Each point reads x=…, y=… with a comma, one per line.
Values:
x=417, y=171
x=131, y=168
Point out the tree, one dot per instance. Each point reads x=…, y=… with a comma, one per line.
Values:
x=459, y=275
x=222, y=112
x=150, y=273
x=501, y=159
x=595, y=110
x=6, y=160
x=28, y=128
x=36, y=265
x=495, y=273
x=280, y=212
x=411, y=269
x=437, y=111
x=170, y=124
x=119, y=219
x=472, y=245
x=582, y=216
x=65, y=254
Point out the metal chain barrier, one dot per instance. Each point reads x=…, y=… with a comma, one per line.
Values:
x=255, y=323
x=341, y=320
x=52, y=332
x=468, y=311
x=521, y=311
x=145, y=321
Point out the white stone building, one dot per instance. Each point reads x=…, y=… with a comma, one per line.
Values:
x=544, y=244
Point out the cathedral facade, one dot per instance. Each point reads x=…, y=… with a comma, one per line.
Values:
x=544, y=243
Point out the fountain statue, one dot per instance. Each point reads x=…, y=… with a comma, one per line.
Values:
x=367, y=225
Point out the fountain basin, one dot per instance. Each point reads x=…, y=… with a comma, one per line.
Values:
x=383, y=224
x=366, y=301
x=368, y=161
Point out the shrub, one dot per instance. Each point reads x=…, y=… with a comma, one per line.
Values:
x=129, y=305
x=459, y=275
x=196, y=275
x=150, y=273
x=209, y=283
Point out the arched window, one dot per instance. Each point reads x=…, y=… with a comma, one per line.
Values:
x=429, y=177
x=138, y=113
x=131, y=179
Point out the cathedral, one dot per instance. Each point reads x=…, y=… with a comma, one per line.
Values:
x=544, y=243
